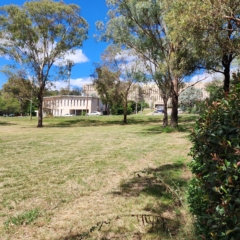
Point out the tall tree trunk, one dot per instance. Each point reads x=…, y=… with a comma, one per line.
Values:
x=174, y=113
x=107, y=109
x=40, y=114
x=226, y=62
x=125, y=112
x=125, y=118
x=165, y=117
x=40, y=107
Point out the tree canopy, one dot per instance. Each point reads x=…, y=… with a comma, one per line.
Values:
x=212, y=28
x=38, y=34
x=140, y=25
x=19, y=88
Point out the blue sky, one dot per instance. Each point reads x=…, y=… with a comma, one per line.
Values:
x=92, y=11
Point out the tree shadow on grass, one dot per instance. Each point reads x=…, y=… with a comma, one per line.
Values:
x=7, y=124
x=167, y=185
x=147, y=182
x=188, y=118
x=186, y=124
x=153, y=181
x=87, y=122
x=106, y=235
x=118, y=120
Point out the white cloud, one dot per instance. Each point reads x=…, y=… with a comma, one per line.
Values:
x=79, y=82
x=57, y=85
x=129, y=61
x=77, y=57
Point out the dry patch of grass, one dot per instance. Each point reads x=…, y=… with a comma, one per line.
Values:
x=92, y=178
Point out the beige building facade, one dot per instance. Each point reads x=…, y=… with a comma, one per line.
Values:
x=149, y=93
x=71, y=105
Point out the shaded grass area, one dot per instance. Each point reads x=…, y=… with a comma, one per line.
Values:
x=186, y=121
x=146, y=181
x=102, y=121
x=2, y=123
x=92, y=179
x=157, y=224
x=167, y=186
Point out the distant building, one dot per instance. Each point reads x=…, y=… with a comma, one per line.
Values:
x=70, y=104
x=199, y=85
x=149, y=93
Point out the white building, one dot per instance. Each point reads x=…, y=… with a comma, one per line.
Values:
x=70, y=104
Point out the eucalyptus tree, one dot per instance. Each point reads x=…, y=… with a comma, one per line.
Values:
x=38, y=34
x=117, y=75
x=213, y=28
x=140, y=25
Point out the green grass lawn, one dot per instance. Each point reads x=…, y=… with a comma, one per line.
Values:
x=78, y=174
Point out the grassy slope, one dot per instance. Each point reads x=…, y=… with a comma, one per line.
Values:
x=59, y=181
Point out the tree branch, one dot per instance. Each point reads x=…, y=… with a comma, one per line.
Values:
x=193, y=84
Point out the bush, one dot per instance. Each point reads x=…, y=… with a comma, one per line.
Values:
x=214, y=193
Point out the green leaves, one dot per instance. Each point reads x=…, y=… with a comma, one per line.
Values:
x=38, y=34
x=206, y=26
x=214, y=193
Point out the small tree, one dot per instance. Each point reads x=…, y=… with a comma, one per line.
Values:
x=21, y=89
x=8, y=104
x=38, y=34
x=121, y=72
x=106, y=85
